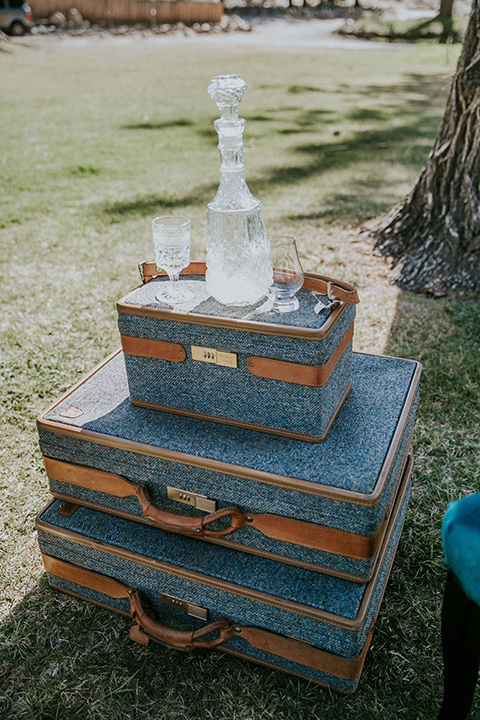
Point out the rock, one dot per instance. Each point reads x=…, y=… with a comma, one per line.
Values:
x=57, y=19
x=74, y=18
x=224, y=23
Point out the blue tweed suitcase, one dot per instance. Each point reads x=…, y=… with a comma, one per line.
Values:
x=187, y=594
x=284, y=374
x=319, y=506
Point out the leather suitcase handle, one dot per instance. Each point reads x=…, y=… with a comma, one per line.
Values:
x=289, y=648
x=298, y=532
x=111, y=484
x=334, y=289
x=179, y=639
x=141, y=613
x=186, y=523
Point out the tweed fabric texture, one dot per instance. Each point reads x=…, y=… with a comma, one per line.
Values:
x=304, y=317
x=351, y=458
x=311, y=590
x=175, y=618
x=235, y=393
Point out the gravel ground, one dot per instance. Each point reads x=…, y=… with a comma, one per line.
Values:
x=267, y=27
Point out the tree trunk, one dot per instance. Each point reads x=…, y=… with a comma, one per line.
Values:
x=433, y=236
x=446, y=8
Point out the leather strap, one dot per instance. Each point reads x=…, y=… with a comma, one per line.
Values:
x=334, y=289
x=295, y=373
x=87, y=578
x=297, y=532
x=89, y=478
x=305, y=654
x=266, y=641
x=307, y=375
x=319, y=537
x=157, y=349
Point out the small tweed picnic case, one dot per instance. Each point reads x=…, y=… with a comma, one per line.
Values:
x=319, y=506
x=286, y=374
x=187, y=594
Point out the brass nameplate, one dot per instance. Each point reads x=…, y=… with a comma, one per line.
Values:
x=189, y=608
x=217, y=357
x=201, y=502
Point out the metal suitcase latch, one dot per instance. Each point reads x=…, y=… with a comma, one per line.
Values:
x=184, y=605
x=211, y=355
x=201, y=502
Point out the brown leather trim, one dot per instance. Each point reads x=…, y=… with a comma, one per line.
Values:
x=397, y=435
x=306, y=486
x=298, y=532
x=157, y=349
x=245, y=425
x=346, y=542
x=225, y=543
x=249, y=593
x=319, y=537
x=68, y=509
x=360, y=660
x=271, y=665
x=72, y=593
x=343, y=291
x=258, y=366
x=309, y=375
x=89, y=478
x=279, y=645
x=304, y=654
x=88, y=578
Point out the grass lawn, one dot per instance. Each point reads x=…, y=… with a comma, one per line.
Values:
x=98, y=138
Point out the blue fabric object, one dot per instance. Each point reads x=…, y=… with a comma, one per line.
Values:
x=350, y=458
x=353, y=458
x=461, y=543
x=236, y=394
x=109, y=536
x=304, y=317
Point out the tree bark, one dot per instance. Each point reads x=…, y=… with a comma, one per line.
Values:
x=446, y=8
x=433, y=236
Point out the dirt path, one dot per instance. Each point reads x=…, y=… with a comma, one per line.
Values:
x=291, y=32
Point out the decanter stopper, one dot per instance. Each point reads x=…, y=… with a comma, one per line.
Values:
x=239, y=270
x=227, y=91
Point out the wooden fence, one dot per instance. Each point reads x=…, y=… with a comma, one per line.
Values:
x=130, y=12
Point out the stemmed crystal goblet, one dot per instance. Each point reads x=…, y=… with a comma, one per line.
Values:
x=287, y=273
x=171, y=240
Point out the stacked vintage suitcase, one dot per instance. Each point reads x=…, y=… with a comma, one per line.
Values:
x=234, y=482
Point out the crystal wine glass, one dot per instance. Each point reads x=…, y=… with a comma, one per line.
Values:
x=287, y=273
x=171, y=239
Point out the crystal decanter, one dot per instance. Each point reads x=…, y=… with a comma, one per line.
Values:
x=239, y=270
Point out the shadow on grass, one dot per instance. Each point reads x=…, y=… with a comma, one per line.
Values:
x=440, y=29
x=63, y=657
x=158, y=125
x=399, y=132
x=443, y=335
x=151, y=203
x=401, y=129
